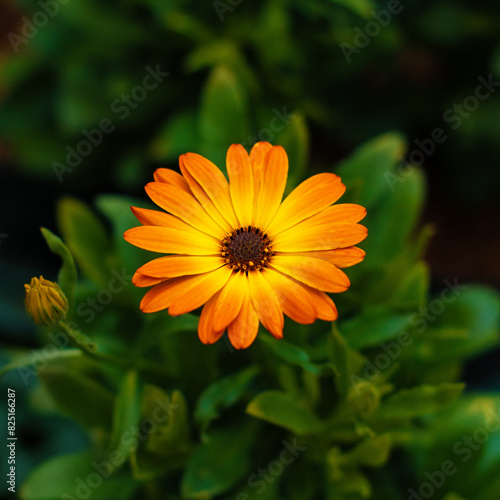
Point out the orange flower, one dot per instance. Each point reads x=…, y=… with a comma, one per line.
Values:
x=239, y=251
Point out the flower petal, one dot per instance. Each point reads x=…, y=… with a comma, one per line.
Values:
x=142, y=280
x=266, y=304
x=206, y=331
x=295, y=301
x=342, y=257
x=213, y=183
x=325, y=307
x=301, y=238
x=272, y=186
x=184, y=294
x=173, y=266
x=168, y=176
x=240, y=175
x=149, y=217
x=229, y=301
x=243, y=330
x=185, y=206
x=313, y=272
x=202, y=288
x=167, y=240
x=308, y=198
x=257, y=156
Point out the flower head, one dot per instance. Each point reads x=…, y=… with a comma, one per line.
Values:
x=45, y=302
x=240, y=251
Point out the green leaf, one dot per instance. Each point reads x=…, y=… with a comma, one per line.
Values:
x=394, y=220
x=418, y=401
x=345, y=360
x=220, y=462
x=365, y=170
x=172, y=437
x=223, y=394
x=74, y=476
x=294, y=355
x=412, y=291
x=373, y=327
x=78, y=395
x=223, y=116
x=126, y=416
x=87, y=239
x=67, y=276
x=117, y=210
x=361, y=7
x=371, y=452
x=295, y=141
x=280, y=408
x=33, y=359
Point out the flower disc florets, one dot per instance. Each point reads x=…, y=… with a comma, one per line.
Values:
x=247, y=249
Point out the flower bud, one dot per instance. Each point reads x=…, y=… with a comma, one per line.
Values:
x=45, y=302
x=363, y=398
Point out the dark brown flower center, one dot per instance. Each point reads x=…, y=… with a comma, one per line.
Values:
x=247, y=249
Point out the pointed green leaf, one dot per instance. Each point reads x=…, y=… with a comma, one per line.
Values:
x=87, y=239
x=281, y=408
x=223, y=115
x=223, y=394
x=78, y=395
x=126, y=416
x=67, y=275
x=220, y=462
x=65, y=476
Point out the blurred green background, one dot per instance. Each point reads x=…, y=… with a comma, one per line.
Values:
x=94, y=96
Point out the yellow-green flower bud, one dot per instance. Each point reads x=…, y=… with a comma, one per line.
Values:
x=363, y=398
x=45, y=302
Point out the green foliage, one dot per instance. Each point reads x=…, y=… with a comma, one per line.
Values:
x=203, y=422
x=363, y=408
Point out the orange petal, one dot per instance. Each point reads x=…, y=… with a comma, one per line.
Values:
x=308, y=198
x=342, y=257
x=313, y=272
x=141, y=280
x=336, y=214
x=205, y=201
x=167, y=240
x=155, y=218
x=266, y=304
x=301, y=238
x=183, y=205
x=172, y=177
x=206, y=331
x=201, y=288
x=325, y=307
x=229, y=301
x=240, y=175
x=257, y=157
x=272, y=186
x=212, y=181
x=185, y=293
x=173, y=266
x=243, y=330
x=294, y=299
